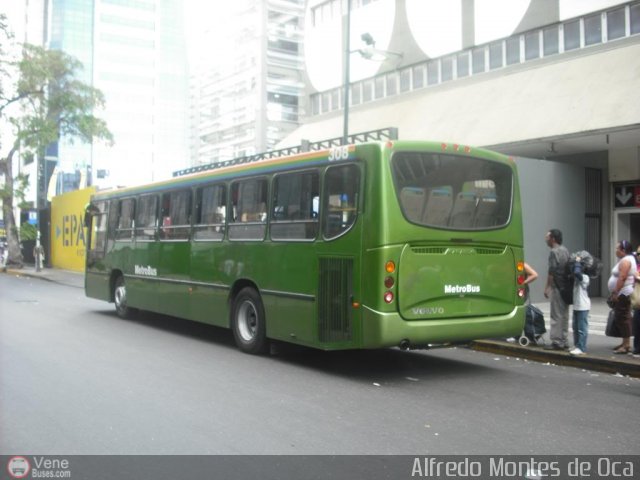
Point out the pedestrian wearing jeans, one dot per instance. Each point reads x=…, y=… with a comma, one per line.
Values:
x=581, y=307
x=558, y=258
x=635, y=320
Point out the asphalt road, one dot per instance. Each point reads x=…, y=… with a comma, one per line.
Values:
x=75, y=379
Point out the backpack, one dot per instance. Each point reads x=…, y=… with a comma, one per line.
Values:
x=563, y=279
x=591, y=266
x=565, y=287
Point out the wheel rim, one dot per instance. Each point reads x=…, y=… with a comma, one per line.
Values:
x=121, y=297
x=247, y=321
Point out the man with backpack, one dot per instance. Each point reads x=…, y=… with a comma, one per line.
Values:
x=557, y=283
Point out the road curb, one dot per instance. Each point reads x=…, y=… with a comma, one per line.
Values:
x=40, y=276
x=536, y=354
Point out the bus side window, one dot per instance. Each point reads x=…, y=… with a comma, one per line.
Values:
x=175, y=215
x=210, y=213
x=249, y=203
x=98, y=230
x=146, y=220
x=341, y=187
x=114, y=211
x=293, y=208
x=125, y=212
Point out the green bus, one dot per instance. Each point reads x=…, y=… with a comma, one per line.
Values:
x=399, y=243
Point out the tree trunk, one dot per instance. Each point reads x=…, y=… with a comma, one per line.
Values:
x=14, y=254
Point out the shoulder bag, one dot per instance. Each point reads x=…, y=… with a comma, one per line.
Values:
x=635, y=296
x=612, y=328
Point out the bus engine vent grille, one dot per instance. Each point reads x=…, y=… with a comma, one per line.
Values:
x=429, y=250
x=334, y=299
x=489, y=251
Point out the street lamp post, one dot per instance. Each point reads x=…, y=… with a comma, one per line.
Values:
x=347, y=57
x=370, y=53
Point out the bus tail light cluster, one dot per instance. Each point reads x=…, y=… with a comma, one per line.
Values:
x=520, y=278
x=389, y=281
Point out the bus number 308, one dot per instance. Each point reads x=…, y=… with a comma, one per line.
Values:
x=339, y=153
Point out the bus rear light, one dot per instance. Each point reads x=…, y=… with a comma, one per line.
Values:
x=520, y=279
x=443, y=146
x=390, y=266
x=388, y=297
x=520, y=267
x=521, y=292
x=389, y=282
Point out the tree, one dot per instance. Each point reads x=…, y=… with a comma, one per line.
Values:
x=41, y=99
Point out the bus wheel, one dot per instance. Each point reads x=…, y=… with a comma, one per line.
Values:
x=248, y=322
x=120, y=299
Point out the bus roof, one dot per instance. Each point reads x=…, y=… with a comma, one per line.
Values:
x=244, y=167
x=235, y=170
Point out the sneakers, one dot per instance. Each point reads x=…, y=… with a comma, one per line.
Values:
x=576, y=351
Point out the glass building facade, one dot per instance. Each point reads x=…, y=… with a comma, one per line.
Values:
x=134, y=51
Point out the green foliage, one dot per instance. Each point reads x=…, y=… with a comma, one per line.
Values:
x=41, y=99
x=28, y=232
x=54, y=102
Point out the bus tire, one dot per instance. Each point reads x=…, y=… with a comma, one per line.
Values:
x=120, y=299
x=248, y=322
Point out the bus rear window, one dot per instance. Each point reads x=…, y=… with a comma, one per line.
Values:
x=453, y=192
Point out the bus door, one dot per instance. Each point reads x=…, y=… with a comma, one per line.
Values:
x=96, y=277
x=290, y=290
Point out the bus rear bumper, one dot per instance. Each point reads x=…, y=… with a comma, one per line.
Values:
x=390, y=329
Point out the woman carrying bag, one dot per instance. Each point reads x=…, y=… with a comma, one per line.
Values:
x=620, y=287
x=636, y=308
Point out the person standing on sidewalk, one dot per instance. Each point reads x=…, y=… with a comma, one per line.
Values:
x=636, y=313
x=581, y=307
x=620, y=286
x=530, y=275
x=556, y=279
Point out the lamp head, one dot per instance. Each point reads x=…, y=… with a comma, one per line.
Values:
x=368, y=39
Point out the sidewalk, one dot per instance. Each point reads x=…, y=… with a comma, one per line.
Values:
x=56, y=275
x=599, y=357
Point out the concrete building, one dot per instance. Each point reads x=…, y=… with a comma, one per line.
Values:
x=247, y=88
x=554, y=82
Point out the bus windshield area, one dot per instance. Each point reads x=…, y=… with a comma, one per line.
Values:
x=452, y=191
